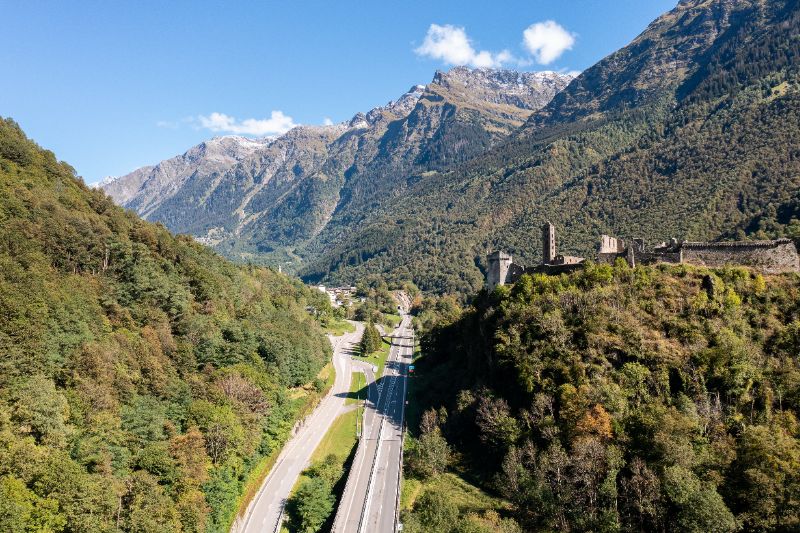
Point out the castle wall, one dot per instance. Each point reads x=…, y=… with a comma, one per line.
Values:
x=566, y=260
x=651, y=258
x=609, y=257
x=514, y=272
x=554, y=269
x=770, y=257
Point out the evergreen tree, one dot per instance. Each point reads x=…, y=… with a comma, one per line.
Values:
x=370, y=340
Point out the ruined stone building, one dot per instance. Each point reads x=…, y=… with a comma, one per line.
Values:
x=770, y=257
x=502, y=268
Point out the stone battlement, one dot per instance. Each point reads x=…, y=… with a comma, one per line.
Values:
x=736, y=244
x=771, y=257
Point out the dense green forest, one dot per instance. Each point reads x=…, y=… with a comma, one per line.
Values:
x=142, y=377
x=615, y=399
x=690, y=131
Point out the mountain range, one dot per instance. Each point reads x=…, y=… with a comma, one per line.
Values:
x=689, y=131
x=264, y=199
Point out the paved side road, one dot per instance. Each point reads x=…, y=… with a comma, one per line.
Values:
x=369, y=503
x=266, y=509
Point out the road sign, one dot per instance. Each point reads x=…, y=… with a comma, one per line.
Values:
x=411, y=367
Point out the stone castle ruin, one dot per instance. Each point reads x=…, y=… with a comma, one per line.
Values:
x=770, y=257
x=502, y=268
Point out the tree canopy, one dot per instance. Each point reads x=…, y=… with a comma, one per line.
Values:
x=142, y=376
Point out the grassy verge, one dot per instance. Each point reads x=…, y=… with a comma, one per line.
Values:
x=338, y=327
x=340, y=438
x=358, y=391
x=339, y=442
x=468, y=497
x=328, y=376
x=378, y=358
x=392, y=320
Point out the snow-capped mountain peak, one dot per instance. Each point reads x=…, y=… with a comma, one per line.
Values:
x=108, y=180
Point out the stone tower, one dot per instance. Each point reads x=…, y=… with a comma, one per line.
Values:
x=548, y=243
x=499, y=263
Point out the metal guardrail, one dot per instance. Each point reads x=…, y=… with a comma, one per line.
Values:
x=362, y=446
x=402, y=442
x=399, y=479
x=365, y=507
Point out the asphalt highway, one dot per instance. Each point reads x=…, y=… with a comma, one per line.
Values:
x=369, y=503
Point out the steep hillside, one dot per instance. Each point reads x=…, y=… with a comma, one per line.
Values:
x=142, y=376
x=615, y=399
x=263, y=200
x=690, y=131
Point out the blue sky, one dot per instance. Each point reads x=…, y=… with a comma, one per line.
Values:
x=111, y=86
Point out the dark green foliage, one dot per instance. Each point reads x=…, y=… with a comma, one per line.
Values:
x=370, y=340
x=625, y=399
x=429, y=454
x=142, y=375
x=311, y=505
x=435, y=512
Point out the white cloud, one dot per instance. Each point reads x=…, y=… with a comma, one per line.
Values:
x=547, y=40
x=277, y=124
x=327, y=122
x=174, y=124
x=451, y=45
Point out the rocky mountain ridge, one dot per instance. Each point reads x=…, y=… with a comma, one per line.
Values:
x=251, y=198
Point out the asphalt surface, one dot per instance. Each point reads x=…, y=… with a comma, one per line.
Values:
x=266, y=509
x=369, y=502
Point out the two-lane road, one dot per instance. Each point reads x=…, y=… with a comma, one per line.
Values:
x=266, y=509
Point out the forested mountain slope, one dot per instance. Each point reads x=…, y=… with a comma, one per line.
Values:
x=660, y=399
x=141, y=375
x=691, y=131
x=266, y=200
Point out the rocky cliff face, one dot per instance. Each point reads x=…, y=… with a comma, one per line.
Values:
x=522, y=90
x=263, y=198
